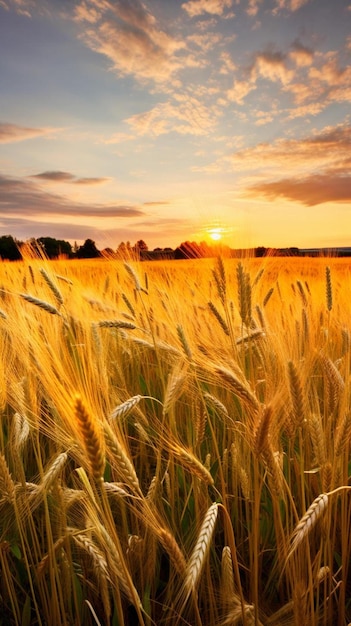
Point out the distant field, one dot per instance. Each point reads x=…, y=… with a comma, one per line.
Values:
x=175, y=442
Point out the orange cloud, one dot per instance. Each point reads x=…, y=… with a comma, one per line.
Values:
x=213, y=7
x=10, y=133
x=327, y=149
x=301, y=55
x=127, y=34
x=187, y=116
x=312, y=190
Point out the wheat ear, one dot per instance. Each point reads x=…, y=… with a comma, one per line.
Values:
x=198, y=555
x=239, y=388
x=328, y=289
x=192, y=463
x=174, y=389
x=116, y=324
x=40, y=303
x=54, y=470
x=92, y=437
x=7, y=486
x=308, y=521
x=219, y=317
x=297, y=394
x=122, y=410
x=57, y=293
x=173, y=550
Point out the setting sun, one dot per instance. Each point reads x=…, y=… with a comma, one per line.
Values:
x=216, y=233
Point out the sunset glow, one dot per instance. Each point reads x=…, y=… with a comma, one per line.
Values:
x=147, y=119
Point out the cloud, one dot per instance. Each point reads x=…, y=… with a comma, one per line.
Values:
x=10, y=133
x=212, y=7
x=187, y=115
x=271, y=65
x=129, y=36
x=57, y=177
x=253, y=7
x=317, y=167
x=289, y=5
x=94, y=180
x=300, y=54
x=25, y=198
x=312, y=190
x=320, y=151
x=325, y=83
x=239, y=91
x=67, y=177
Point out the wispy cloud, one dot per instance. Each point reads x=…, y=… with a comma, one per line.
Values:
x=186, y=115
x=25, y=198
x=67, y=177
x=127, y=33
x=10, y=133
x=56, y=177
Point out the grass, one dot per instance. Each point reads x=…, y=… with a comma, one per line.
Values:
x=175, y=443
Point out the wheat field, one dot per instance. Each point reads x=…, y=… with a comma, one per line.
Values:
x=175, y=442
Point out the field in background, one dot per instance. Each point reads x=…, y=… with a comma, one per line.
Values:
x=175, y=442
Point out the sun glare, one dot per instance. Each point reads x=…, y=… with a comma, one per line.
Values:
x=215, y=234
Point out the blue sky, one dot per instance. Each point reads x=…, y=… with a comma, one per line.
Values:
x=168, y=120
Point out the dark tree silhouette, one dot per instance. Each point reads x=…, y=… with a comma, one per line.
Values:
x=88, y=250
x=54, y=247
x=141, y=245
x=10, y=248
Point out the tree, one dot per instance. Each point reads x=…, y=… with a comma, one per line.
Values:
x=53, y=248
x=88, y=250
x=141, y=246
x=10, y=248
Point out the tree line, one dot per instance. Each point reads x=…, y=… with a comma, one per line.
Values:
x=12, y=249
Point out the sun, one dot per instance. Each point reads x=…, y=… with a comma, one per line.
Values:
x=215, y=232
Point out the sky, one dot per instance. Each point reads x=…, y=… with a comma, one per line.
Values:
x=176, y=120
